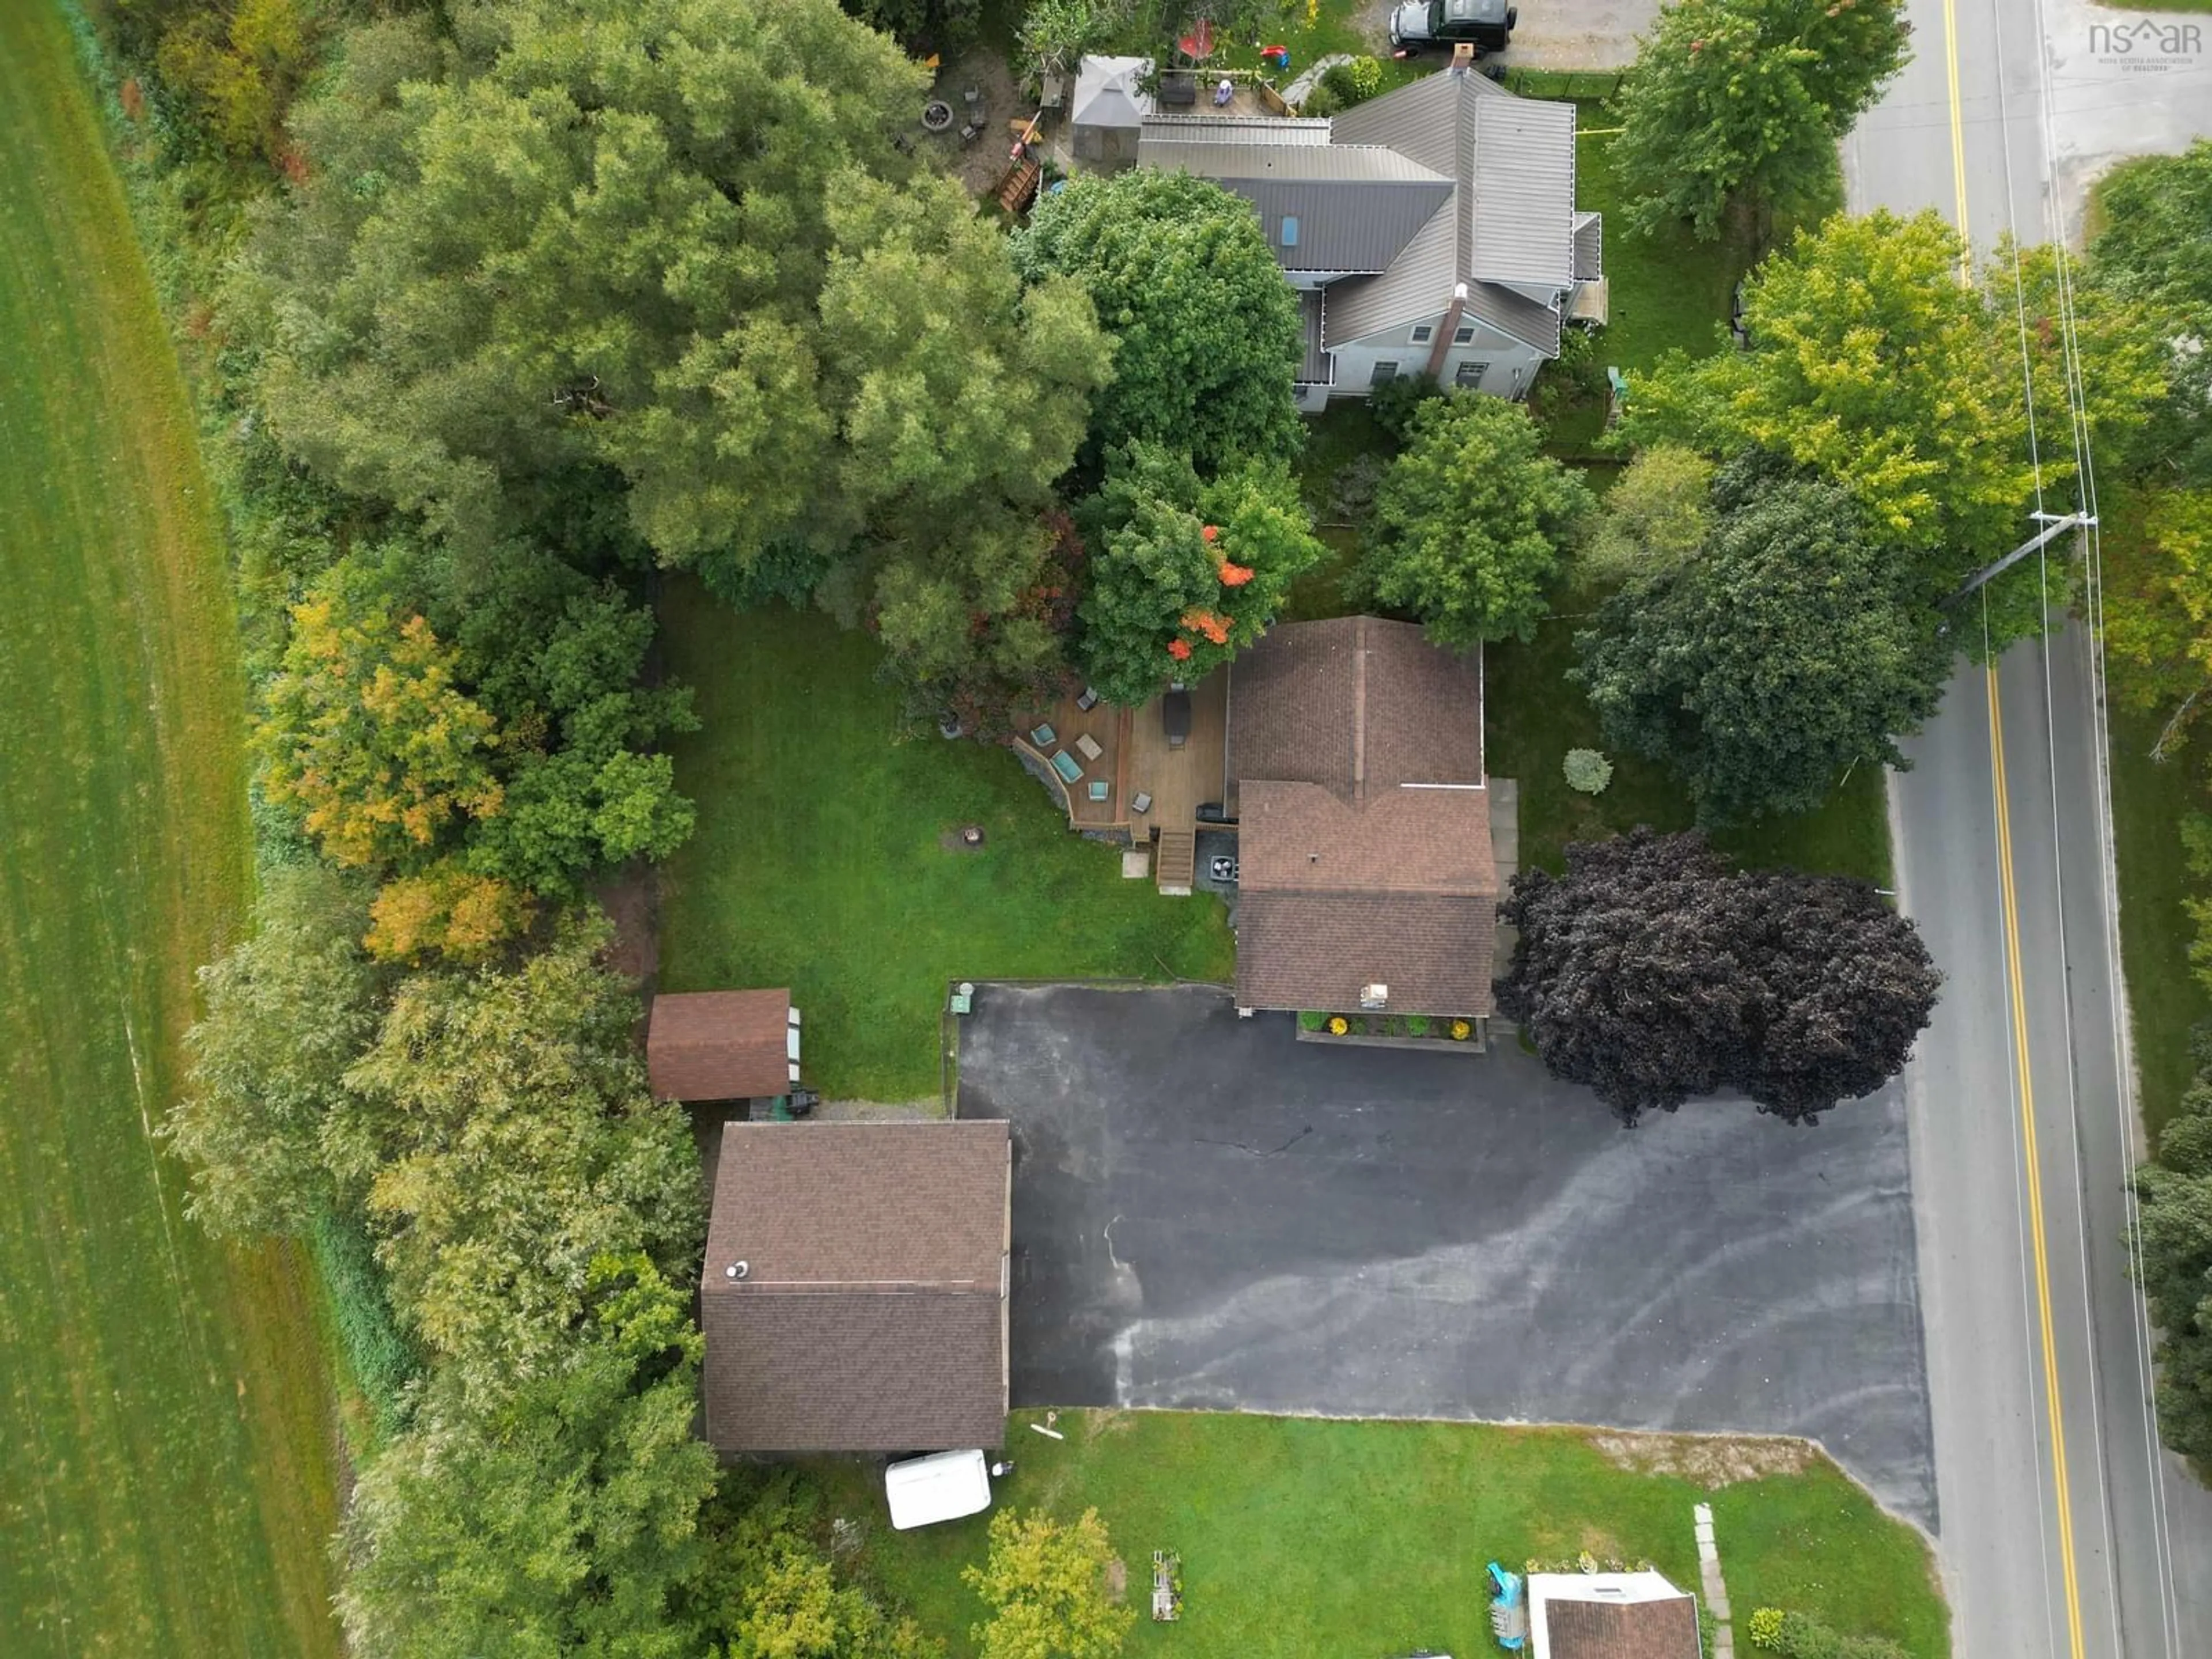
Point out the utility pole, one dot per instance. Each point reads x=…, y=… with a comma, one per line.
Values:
x=2054, y=525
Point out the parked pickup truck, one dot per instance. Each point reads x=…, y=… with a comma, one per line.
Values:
x=1440, y=25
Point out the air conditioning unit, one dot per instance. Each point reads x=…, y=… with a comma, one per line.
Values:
x=1374, y=998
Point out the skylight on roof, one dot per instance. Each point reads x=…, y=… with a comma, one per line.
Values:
x=1290, y=231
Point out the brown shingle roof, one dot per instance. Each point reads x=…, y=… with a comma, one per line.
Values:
x=1319, y=949
x=1357, y=705
x=872, y=1315
x=1364, y=833
x=719, y=1045
x=1634, y=1630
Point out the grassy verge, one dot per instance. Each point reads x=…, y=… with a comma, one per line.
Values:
x=1533, y=716
x=2165, y=999
x=165, y=1438
x=1302, y=1536
x=819, y=860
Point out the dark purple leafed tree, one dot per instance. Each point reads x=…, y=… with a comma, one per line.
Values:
x=1653, y=973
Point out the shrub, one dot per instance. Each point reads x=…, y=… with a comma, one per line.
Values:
x=1588, y=771
x=1417, y=1026
x=1312, y=1021
x=1795, y=1636
x=1767, y=1629
x=1461, y=1031
x=1338, y=1025
x=1351, y=84
x=1395, y=402
x=1320, y=102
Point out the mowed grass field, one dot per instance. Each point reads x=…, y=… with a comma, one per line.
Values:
x=166, y=1477
x=820, y=859
x=1302, y=1536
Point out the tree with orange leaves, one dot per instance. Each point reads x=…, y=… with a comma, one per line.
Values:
x=1183, y=575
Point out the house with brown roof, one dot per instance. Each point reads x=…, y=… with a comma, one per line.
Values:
x=853, y=1296
x=722, y=1045
x=1354, y=772
x=1610, y=1615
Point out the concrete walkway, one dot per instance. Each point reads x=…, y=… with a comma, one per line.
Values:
x=1715, y=1591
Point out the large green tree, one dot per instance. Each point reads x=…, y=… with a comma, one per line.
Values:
x=2176, y=1263
x=501, y=1133
x=1184, y=573
x=473, y=730
x=1207, y=332
x=1781, y=656
x=561, y=1516
x=2152, y=251
x=288, y=1008
x=1736, y=99
x=1873, y=363
x=673, y=245
x=1470, y=521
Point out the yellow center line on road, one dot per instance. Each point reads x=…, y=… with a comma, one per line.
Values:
x=2034, y=1172
x=1958, y=140
x=2011, y=902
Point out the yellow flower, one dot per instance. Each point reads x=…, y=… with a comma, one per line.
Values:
x=1461, y=1031
x=1336, y=1025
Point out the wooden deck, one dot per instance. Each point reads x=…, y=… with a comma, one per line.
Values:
x=1135, y=759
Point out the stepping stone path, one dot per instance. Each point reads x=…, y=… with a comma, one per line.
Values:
x=1708, y=1570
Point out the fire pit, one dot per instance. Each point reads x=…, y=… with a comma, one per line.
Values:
x=937, y=116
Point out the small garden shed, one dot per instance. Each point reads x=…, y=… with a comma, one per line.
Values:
x=1108, y=116
x=722, y=1045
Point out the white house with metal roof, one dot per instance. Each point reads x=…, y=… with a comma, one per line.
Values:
x=1430, y=231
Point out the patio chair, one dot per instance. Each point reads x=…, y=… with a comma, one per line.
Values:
x=1064, y=763
x=1098, y=789
x=1088, y=700
x=1043, y=736
x=1142, y=803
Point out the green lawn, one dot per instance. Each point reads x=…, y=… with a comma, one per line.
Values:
x=1301, y=1536
x=165, y=1423
x=2165, y=997
x=818, y=861
x=1533, y=716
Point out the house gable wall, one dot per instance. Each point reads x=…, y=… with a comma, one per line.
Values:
x=1512, y=363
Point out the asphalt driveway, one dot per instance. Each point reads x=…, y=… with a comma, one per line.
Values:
x=1210, y=1214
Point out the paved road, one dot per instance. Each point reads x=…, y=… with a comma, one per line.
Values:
x=2063, y=1532
x=1208, y=1213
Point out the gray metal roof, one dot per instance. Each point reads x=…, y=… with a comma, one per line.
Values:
x=1315, y=367
x=1512, y=218
x=1237, y=129
x=1355, y=205
x=1232, y=163
x=1418, y=285
x=1590, y=247
x=1523, y=185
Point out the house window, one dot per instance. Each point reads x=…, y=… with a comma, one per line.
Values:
x=1464, y=335
x=1385, y=372
x=1289, y=230
x=1422, y=332
x=1471, y=373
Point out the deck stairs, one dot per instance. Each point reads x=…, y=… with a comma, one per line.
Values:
x=1175, y=862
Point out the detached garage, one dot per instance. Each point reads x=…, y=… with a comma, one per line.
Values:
x=853, y=1298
